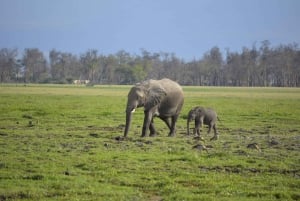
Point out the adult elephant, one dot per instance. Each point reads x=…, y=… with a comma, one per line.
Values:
x=161, y=98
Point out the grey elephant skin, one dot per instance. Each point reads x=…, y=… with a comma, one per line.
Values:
x=202, y=116
x=161, y=98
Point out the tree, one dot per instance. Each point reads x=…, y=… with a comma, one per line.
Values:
x=64, y=67
x=56, y=68
x=233, y=63
x=109, y=64
x=9, y=65
x=90, y=63
x=35, y=65
x=285, y=65
x=213, y=63
x=264, y=63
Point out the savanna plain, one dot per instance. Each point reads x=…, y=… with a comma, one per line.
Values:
x=63, y=142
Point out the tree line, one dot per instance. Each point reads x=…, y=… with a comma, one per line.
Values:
x=256, y=66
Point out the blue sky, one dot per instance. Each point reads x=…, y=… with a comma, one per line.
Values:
x=187, y=28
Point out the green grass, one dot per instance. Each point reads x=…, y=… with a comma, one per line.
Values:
x=57, y=142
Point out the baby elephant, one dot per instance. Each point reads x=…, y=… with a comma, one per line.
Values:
x=203, y=115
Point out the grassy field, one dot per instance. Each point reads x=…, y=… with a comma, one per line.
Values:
x=59, y=142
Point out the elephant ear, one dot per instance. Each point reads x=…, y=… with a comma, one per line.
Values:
x=140, y=93
x=194, y=111
x=155, y=96
x=200, y=111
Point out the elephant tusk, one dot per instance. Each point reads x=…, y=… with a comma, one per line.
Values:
x=132, y=111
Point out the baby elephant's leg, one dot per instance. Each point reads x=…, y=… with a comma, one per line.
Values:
x=216, y=135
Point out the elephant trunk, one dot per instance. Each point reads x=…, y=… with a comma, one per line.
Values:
x=128, y=121
x=129, y=110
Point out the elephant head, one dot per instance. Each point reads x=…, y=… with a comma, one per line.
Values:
x=136, y=98
x=197, y=114
x=191, y=116
x=142, y=95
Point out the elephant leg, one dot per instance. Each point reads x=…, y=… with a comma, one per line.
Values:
x=166, y=120
x=215, y=129
x=212, y=124
x=216, y=135
x=197, y=127
x=152, y=129
x=209, y=129
x=147, y=121
x=195, y=131
x=173, y=125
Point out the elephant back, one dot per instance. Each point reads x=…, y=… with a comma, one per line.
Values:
x=170, y=86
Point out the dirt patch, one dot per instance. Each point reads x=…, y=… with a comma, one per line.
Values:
x=3, y=134
x=95, y=135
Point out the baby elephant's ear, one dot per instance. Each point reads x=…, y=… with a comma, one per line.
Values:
x=154, y=97
x=199, y=110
